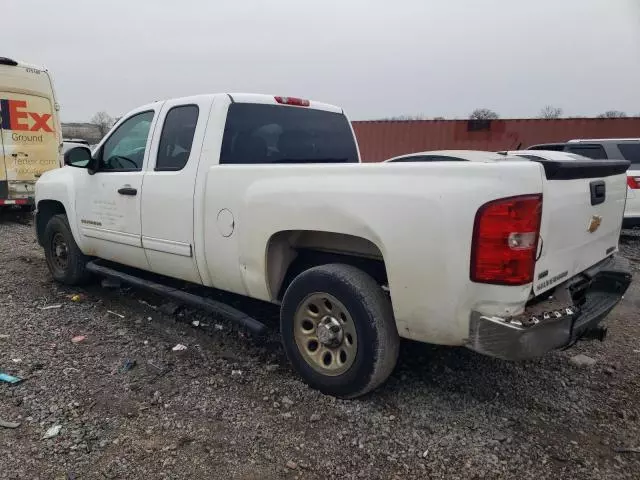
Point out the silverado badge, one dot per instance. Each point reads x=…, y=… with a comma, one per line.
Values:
x=594, y=224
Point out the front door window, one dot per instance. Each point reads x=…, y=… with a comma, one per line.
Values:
x=124, y=149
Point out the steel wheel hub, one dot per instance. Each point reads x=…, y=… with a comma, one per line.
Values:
x=60, y=251
x=325, y=334
x=330, y=332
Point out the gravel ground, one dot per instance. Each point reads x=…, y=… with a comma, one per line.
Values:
x=227, y=407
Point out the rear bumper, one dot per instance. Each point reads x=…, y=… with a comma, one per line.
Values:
x=632, y=209
x=16, y=201
x=5, y=194
x=576, y=307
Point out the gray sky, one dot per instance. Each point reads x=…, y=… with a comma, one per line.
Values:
x=376, y=58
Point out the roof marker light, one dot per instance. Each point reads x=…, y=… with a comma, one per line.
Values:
x=298, y=102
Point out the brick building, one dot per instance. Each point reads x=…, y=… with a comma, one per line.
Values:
x=379, y=140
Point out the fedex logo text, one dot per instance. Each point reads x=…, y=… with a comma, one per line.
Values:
x=14, y=116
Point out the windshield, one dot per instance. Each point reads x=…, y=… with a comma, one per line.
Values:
x=259, y=133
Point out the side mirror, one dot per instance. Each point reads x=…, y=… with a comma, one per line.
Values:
x=78, y=157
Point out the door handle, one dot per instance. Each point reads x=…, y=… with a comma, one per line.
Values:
x=598, y=192
x=128, y=191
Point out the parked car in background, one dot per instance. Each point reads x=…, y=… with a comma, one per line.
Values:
x=610, y=148
x=30, y=132
x=450, y=156
x=76, y=140
x=266, y=197
x=575, y=150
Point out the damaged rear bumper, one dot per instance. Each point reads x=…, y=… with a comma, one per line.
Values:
x=576, y=308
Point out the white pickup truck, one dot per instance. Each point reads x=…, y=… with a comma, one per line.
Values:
x=266, y=197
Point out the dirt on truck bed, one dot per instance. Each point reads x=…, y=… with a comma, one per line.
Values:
x=101, y=379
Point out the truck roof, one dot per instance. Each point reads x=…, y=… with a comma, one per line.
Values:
x=18, y=63
x=257, y=98
x=271, y=100
x=603, y=140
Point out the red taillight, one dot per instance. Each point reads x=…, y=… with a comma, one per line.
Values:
x=298, y=102
x=633, y=182
x=505, y=240
x=19, y=201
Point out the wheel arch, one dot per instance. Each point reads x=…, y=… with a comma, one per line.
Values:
x=290, y=252
x=46, y=210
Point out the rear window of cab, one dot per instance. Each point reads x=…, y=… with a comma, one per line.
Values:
x=259, y=133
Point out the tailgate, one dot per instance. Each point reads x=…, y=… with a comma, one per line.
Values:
x=29, y=139
x=583, y=205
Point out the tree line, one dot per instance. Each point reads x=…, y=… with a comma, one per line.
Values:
x=103, y=121
x=548, y=112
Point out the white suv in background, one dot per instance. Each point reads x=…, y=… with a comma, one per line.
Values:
x=610, y=148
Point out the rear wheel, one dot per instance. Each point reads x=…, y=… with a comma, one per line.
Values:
x=65, y=260
x=338, y=330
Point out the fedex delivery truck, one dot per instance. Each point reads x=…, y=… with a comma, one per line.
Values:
x=30, y=132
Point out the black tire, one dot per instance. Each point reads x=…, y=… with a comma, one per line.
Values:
x=73, y=271
x=378, y=341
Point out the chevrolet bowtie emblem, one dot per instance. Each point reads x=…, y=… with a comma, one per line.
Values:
x=594, y=224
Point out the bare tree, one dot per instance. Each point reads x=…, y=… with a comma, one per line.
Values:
x=549, y=111
x=103, y=121
x=613, y=114
x=483, y=114
x=438, y=118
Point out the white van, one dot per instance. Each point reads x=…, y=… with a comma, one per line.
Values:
x=30, y=131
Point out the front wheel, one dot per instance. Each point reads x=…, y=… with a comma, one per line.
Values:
x=338, y=330
x=65, y=260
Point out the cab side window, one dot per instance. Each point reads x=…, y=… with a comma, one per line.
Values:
x=124, y=149
x=177, y=138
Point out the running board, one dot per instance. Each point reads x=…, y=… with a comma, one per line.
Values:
x=212, y=306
